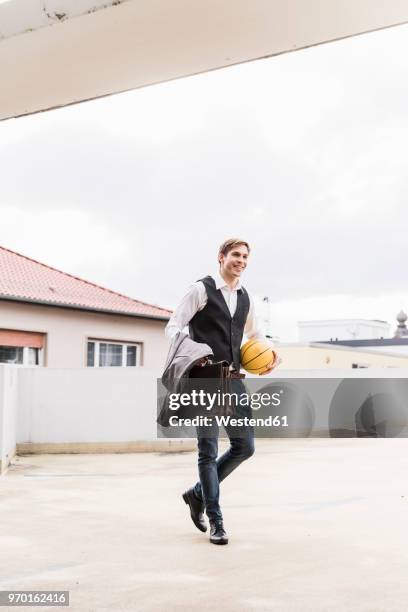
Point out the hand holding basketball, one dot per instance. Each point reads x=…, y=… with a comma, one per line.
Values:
x=258, y=357
x=272, y=365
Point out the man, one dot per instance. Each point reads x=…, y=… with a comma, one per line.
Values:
x=219, y=311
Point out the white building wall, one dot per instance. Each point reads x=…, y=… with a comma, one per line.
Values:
x=67, y=332
x=342, y=329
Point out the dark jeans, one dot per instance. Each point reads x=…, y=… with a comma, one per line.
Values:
x=212, y=470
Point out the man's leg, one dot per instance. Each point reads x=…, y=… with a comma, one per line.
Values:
x=241, y=446
x=207, y=488
x=240, y=449
x=207, y=491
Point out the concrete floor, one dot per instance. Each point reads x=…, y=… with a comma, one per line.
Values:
x=314, y=525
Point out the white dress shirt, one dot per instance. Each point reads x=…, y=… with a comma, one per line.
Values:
x=196, y=298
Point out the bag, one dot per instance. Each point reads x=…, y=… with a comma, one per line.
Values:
x=212, y=377
x=218, y=375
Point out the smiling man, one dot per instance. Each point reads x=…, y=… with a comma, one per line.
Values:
x=219, y=311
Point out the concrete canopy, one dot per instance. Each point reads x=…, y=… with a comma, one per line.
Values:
x=59, y=52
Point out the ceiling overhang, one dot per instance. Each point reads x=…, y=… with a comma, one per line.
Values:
x=58, y=52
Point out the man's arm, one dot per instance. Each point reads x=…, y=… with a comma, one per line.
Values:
x=252, y=327
x=194, y=300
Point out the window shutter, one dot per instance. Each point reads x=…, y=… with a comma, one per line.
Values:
x=9, y=337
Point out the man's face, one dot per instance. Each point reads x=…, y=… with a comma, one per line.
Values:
x=235, y=261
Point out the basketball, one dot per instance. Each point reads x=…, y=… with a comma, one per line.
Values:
x=256, y=355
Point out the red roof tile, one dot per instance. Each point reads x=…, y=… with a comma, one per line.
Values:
x=25, y=279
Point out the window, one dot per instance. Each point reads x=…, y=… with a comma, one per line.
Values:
x=20, y=355
x=21, y=347
x=131, y=355
x=106, y=353
x=110, y=354
x=33, y=356
x=91, y=354
x=11, y=354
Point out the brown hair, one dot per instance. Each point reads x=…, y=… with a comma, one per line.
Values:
x=229, y=244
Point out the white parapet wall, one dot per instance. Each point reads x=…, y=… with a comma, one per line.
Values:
x=86, y=410
x=8, y=414
x=86, y=405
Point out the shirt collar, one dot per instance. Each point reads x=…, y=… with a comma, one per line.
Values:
x=220, y=282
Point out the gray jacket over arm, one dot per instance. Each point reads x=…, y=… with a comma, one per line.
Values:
x=183, y=355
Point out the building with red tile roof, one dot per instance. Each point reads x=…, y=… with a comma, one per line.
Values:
x=49, y=317
x=27, y=280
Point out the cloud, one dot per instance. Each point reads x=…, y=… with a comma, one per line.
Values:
x=74, y=241
x=302, y=154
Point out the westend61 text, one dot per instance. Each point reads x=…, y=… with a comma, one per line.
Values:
x=209, y=400
x=207, y=421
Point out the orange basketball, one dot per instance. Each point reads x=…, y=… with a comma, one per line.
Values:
x=256, y=356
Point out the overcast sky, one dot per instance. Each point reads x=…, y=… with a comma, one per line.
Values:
x=304, y=155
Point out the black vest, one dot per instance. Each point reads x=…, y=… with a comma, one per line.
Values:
x=214, y=325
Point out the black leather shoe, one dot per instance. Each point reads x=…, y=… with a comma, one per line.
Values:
x=218, y=534
x=196, y=509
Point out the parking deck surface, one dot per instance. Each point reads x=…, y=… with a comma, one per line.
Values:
x=314, y=525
